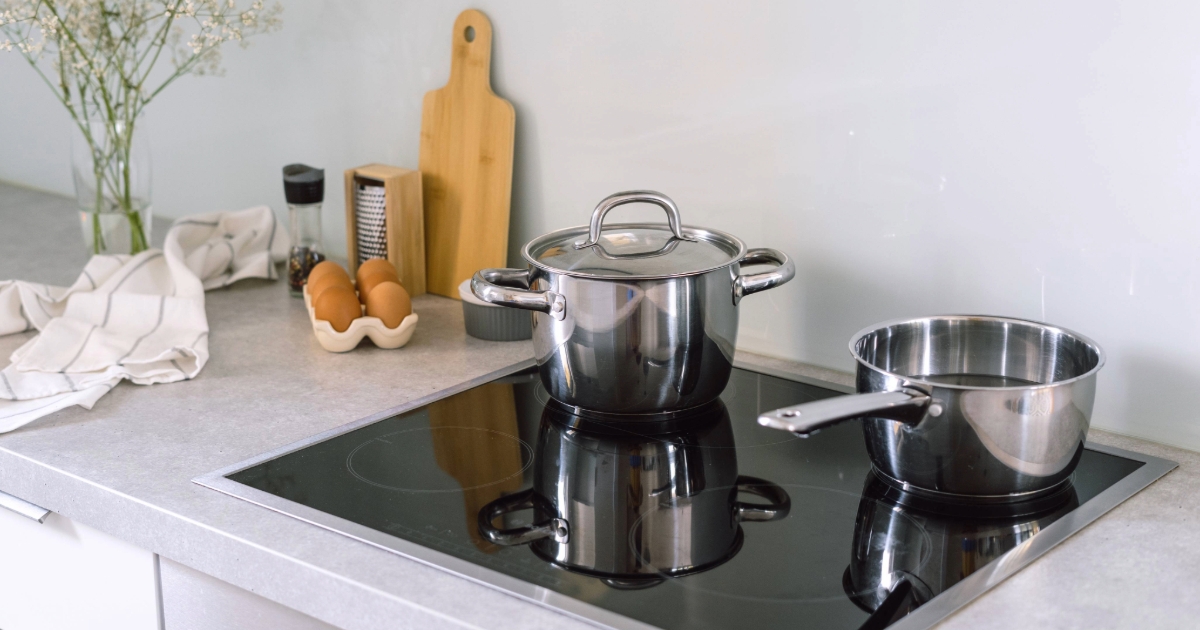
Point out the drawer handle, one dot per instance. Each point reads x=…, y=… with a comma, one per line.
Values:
x=23, y=507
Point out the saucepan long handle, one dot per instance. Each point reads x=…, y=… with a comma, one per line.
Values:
x=904, y=405
x=510, y=287
x=901, y=600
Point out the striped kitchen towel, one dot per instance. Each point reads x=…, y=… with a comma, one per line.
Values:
x=129, y=317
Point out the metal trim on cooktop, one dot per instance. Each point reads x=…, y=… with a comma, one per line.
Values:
x=1017, y=558
x=926, y=616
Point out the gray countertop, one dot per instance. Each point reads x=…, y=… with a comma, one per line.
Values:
x=125, y=467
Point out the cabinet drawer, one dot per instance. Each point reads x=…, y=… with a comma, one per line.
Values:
x=195, y=601
x=62, y=575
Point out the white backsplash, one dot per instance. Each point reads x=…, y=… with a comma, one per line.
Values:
x=1030, y=159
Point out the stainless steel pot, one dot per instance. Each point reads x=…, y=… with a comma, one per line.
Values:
x=907, y=551
x=634, y=509
x=963, y=407
x=634, y=318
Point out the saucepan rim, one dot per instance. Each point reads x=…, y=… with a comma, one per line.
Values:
x=875, y=328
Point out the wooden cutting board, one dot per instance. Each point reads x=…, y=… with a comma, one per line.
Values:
x=466, y=163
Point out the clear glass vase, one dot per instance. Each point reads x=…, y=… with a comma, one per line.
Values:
x=110, y=164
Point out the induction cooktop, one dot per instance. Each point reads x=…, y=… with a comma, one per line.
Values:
x=716, y=523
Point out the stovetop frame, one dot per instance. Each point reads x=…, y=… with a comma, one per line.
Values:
x=926, y=616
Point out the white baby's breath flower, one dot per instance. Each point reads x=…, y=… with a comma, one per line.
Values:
x=98, y=55
x=48, y=25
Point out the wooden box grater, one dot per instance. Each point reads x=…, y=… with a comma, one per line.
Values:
x=405, y=221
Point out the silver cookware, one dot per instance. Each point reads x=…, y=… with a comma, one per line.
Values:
x=962, y=407
x=634, y=318
x=907, y=551
x=634, y=509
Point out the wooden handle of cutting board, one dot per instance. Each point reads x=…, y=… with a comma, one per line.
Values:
x=471, y=60
x=467, y=137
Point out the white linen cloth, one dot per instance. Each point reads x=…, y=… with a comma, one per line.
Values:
x=129, y=317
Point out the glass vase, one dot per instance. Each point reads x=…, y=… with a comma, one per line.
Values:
x=110, y=164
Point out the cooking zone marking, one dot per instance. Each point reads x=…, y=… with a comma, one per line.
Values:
x=483, y=436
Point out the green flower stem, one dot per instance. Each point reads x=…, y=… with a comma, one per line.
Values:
x=137, y=233
x=97, y=234
x=97, y=228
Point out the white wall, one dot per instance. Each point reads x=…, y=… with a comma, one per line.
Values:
x=1031, y=159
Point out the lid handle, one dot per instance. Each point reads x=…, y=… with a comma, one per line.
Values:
x=632, y=196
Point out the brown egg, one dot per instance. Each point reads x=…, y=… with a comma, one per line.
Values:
x=389, y=302
x=373, y=266
x=326, y=268
x=373, y=279
x=338, y=306
x=315, y=289
x=326, y=274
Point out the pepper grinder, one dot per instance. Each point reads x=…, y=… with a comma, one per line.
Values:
x=304, y=188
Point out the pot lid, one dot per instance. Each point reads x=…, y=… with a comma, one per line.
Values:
x=634, y=250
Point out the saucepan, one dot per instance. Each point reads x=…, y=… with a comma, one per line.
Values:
x=635, y=318
x=965, y=407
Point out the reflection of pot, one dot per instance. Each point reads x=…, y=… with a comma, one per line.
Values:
x=634, y=509
x=908, y=550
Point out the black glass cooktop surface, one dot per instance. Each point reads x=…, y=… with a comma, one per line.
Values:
x=721, y=523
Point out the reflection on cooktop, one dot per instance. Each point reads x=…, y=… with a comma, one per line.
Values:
x=617, y=505
x=381, y=461
x=904, y=555
x=718, y=523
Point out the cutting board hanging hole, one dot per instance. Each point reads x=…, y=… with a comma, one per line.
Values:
x=469, y=34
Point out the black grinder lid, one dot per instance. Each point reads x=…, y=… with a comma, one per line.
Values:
x=303, y=184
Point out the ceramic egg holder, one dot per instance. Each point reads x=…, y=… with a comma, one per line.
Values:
x=382, y=336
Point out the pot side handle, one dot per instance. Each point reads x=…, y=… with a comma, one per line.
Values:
x=904, y=405
x=753, y=283
x=778, y=508
x=510, y=287
x=555, y=528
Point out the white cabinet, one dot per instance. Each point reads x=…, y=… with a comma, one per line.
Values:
x=61, y=575
x=195, y=601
